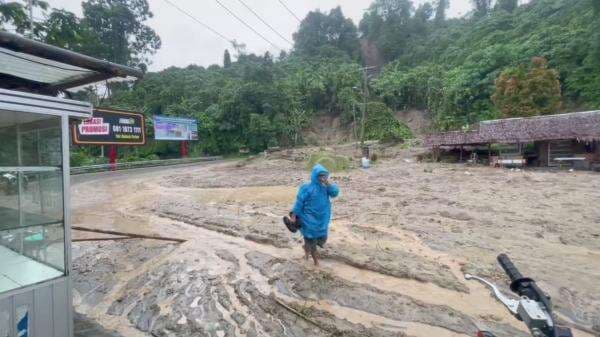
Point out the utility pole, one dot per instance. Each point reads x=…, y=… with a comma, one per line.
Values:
x=30, y=2
x=365, y=93
x=354, y=122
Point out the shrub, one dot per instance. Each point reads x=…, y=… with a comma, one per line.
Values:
x=331, y=162
x=381, y=124
x=83, y=158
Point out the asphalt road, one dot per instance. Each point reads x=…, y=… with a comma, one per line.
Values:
x=137, y=172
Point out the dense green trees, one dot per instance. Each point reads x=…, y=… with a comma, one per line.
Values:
x=327, y=34
x=255, y=103
x=119, y=32
x=459, y=70
x=15, y=14
x=391, y=25
x=451, y=69
x=63, y=29
x=528, y=92
x=441, y=7
x=482, y=7
x=507, y=5
x=113, y=30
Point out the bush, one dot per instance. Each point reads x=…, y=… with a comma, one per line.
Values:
x=382, y=125
x=82, y=158
x=130, y=158
x=331, y=162
x=79, y=158
x=137, y=157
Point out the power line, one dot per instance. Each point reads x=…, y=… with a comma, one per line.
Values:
x=265, y=22
x=247, y=25
x=200, y=22
x=289, y=10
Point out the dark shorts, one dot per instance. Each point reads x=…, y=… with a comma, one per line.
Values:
x=310, y=245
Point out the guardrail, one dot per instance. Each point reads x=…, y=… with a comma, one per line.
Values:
x=139, y=164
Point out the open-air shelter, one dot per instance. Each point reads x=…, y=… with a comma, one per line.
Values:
x=571, y=138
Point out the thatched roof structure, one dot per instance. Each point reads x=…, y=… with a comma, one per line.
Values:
x=583, y=126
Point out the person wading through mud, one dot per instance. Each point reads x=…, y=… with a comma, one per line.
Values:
x=312, y=211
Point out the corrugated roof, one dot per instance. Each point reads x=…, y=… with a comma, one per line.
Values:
x=28, y=65
x=38, y=69
x=576, y=125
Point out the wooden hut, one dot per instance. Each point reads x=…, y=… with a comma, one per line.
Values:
x=571, y=139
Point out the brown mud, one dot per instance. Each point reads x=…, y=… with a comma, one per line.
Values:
x=402, y=236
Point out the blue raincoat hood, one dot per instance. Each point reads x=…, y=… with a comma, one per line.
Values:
x=316, y=172
x=313, y=205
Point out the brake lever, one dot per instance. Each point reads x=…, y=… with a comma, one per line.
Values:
x=510, y=304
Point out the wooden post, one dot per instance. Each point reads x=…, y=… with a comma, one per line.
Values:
x=460, y=160
x=436, y=154
x=548, y=152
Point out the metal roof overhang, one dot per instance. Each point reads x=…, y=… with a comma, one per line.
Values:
x=33, y=66
x=26, y=102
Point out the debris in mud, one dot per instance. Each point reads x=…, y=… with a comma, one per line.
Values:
x=278, y=321
x=155, y=302
x=173, y=301
x=97, y=268
x=319, y=286
x=256, y=232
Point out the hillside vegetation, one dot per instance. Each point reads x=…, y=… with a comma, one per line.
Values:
x=451, y=68
x=501, y=59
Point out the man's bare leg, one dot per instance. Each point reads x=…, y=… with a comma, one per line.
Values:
x=306, y=253
x=315, y=258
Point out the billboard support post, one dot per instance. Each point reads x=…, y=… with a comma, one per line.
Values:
x=113, y=157
x=184, y=149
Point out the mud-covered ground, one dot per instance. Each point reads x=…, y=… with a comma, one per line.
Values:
x=402, y=236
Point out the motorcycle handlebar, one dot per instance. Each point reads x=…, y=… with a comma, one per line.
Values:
x=526, y=287
x=510, y=269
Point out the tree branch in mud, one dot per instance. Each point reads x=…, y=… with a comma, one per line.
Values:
x=301, y=315
x=130, y=235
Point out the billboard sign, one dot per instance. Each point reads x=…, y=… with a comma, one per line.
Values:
x=111, y=127
x=172, y=128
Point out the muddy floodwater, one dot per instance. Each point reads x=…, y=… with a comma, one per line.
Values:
x=402, y=237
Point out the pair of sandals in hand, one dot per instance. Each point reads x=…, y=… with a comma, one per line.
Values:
x=292, y=226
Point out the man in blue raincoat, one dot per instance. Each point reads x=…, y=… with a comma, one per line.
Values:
x=312, y=210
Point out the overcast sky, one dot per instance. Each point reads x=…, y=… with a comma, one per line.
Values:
x=185, y=41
